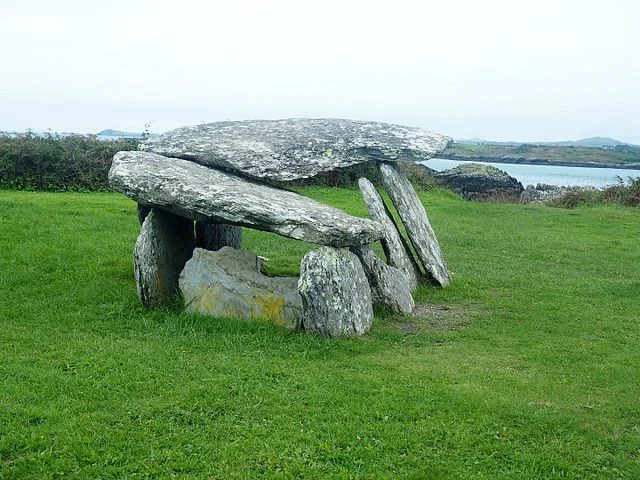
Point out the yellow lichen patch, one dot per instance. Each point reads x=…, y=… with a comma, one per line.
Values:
x=269, y=306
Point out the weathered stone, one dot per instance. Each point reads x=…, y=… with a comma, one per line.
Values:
x=227, y=283
x=336, y=297
x=390, y=286
x=416, y=223
x=163, y=247
x=214, y=236
x=395, y=248
x=201, y=193
x=475, y=181
x=295, y=148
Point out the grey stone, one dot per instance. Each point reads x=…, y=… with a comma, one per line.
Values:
x=475, y=181
x=336, y=297
x=390, y=287
x=214, y=236
x=163, y=247
x=295, y=148
x=395, y=248
x=227, y=283
x=201, y=193
x=142, y=211
x=416, y=223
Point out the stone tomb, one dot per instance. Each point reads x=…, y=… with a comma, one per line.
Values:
x=215, y=174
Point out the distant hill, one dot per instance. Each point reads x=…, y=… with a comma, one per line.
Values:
x=593, y=142
x=109, y=132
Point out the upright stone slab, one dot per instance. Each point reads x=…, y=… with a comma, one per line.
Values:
x=214, y=236
x=293, y=148
x=390, y=286
x=205, y=194
x=336, y=297
x=227, y=283
x=165, y=244
x=416, y=222
x=394, y=246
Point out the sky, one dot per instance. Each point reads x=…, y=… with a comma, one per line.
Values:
x=500, y=70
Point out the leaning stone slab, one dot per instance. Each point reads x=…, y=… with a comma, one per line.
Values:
x=390, y=286
x=163, y=247
x=336, y=297
x=295, y=148
x=394, y=246
x=227, y=283
x=201, y=193
x=416, y=222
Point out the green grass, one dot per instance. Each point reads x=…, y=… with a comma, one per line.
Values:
x=542, y=381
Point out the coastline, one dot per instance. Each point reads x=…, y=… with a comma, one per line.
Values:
x=539, y=161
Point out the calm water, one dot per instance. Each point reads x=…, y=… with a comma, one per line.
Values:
x=551, y=175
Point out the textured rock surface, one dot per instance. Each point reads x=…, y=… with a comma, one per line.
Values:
x=416, y=222
x=214, y=236
x=336, y=297
x=164, y=245
x=476, y=181
x=295, y=148
x=206, y=194
x=390, y=287
x=393, y=244
x=227, y=283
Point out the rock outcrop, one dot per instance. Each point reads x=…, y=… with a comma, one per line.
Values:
x=475, y=181
x=227, y=283
x=336, y=297
x=295, y=148
x=163, y=247
x=416, y=222
x=202, y=193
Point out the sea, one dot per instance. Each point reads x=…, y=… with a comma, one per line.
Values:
x=549, y=174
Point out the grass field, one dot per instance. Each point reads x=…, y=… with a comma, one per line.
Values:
x=529, y=370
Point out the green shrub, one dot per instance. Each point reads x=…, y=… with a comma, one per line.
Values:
x=58, y=163
x=625, y=193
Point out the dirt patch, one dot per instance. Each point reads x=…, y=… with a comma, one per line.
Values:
x=431, y=317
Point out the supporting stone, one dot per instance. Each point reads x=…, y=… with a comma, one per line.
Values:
x=416, y=222
x=165, y=244
x=214, y=236
x=227, y=283
x=336, y=297
x=395, y=248
x=390, y=286
x=142, y=211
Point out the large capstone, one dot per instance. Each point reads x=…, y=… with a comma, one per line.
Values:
x=336, y=297
x=390, y=287
x=228, y=283
x=295, y=148
x=395, y=248
x=202, y=193
x=415, y=220
x=476, y=181
x=163, y=247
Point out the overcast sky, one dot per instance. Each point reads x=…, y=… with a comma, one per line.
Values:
x=501, y=70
